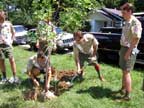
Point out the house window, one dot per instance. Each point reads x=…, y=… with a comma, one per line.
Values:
x=105, y=24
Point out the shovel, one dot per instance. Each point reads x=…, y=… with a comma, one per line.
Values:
x=85, y=65
x=77, y=75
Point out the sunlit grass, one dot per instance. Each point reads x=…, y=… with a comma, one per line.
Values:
x=91, y=93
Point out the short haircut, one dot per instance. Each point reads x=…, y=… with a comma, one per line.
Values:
x=40, y=55
x=127, y=7
x=78, y=34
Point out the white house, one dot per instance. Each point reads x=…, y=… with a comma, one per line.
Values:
x=105, y=17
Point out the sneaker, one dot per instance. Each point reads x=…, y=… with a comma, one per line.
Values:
x=121, y=92
x=3, y=81
x=14, y=80
x=126, y=98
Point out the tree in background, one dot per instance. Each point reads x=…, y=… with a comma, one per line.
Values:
x=139, y=4
x=114, y=3
x=69, y=14
x=19, y=11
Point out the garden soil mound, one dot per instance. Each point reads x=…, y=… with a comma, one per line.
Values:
x=61, y=82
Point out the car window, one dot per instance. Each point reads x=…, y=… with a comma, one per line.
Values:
x=58, y=30
x=19, y=29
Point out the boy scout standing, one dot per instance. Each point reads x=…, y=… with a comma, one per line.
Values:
x=131, y=35
x=7, y=34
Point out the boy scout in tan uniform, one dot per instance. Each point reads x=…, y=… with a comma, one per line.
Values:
x=131, y=35
x=85, y=49
x=37, y=65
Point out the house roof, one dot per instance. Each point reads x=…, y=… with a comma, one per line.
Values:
x=113, y=13
x=108, y=13
x=99, y=15
x=105, y=14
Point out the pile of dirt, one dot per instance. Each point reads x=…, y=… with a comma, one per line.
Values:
x=63, y=81
x=61, y=84
x=65, y=75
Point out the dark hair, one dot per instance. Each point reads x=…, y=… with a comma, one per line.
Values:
x=127, y=7
x=40, y=55
x=78, y=34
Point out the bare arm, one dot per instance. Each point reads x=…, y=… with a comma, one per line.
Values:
x=32, y=72
x=36, y=83
x=76, y=58
x=77, y=62
x=12, y=32
x=134, y=42
x=95, y=47
x=48, y=79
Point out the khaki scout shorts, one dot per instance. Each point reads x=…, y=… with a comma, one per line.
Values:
x=5, y=51
x=85, y=57
x=129, y=64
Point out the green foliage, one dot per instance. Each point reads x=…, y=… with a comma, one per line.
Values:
x=45, y=31
x=32, y=36
x=70, y=15
x=139, y=5
x=1, y=6
x=71, y=19
x=115, y=3
x=43, y=9
x=73, y=15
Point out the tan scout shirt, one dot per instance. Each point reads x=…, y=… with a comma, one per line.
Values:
x=85, y=47
x=34, y=63
x=131, y=29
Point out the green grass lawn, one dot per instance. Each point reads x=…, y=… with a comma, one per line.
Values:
x=91, y=93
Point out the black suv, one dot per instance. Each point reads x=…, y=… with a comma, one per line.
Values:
x=109, y=43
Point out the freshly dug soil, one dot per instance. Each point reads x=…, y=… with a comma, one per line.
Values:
x=62, y=83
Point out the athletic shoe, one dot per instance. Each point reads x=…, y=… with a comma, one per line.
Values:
x=127, y=98
x=121, y=92
x=3, y=81
x=14, y=80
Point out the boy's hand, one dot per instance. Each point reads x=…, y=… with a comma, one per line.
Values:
x=37, y=45
x=79, y=71
x=36, y=83
x=92, y=58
